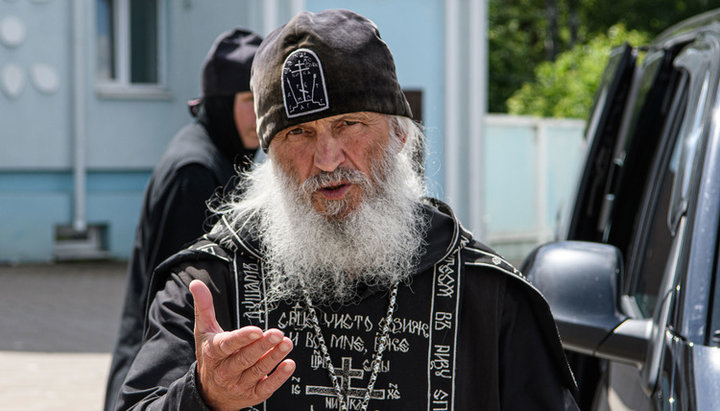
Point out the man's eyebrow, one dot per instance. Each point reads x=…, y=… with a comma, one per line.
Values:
x=355, y=116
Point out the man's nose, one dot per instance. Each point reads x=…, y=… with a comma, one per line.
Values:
x=329, y=153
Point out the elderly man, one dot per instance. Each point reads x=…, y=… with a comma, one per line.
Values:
x=332, y=257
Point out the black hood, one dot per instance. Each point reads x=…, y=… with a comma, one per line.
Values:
x=216, y=116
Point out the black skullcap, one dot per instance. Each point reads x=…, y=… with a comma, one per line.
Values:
x=321, y=65
x=226, y=70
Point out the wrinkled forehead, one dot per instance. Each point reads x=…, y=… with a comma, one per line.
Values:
x=376, y=127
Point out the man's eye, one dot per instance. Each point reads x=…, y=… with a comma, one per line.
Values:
x=345, y=125
x=295, y=131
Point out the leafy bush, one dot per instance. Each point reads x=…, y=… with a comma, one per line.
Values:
x=565, y=87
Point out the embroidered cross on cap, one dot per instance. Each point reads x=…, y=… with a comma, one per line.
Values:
x=303, y=84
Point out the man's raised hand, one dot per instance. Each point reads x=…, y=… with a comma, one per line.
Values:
x=233, y=366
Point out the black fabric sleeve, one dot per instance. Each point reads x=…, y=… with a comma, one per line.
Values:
x=162, y=376
x=529, y=377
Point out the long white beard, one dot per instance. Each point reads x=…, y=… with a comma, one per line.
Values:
x=378, y=244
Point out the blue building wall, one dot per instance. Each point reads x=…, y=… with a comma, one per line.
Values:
x=125, y=132
x=35, y=125
x=132, y=130
x=34, y=203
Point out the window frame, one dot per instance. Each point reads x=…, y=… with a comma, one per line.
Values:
x=661, y=176
x=690, y=135
x=121, y=86
x=601, y=134
x=694, y=319
x=631, y=165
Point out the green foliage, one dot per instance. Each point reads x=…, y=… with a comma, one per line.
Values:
x=521, y=36
x=565, y=87
x=516, y=36
x=518, y=32
x=651, y=16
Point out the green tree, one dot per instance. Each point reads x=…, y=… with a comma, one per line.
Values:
x=515, y=38
x=521, y=35
x=565, y=87
x=651, y=16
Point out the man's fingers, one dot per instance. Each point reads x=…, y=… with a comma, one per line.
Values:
x=204, y=310
x=270, y=360
x=229, y=342
x=275, y=380
x=245, y=356
x=242, y=359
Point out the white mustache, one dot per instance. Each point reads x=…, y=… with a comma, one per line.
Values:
x=334, y=178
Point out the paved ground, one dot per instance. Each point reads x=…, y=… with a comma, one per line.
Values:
x=57, y=327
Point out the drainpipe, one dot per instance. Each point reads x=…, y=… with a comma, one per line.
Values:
x=79, y=166
x=477, y=53
x=296, y=6
x=452, y=112
x=270, y=15
x=541, y=182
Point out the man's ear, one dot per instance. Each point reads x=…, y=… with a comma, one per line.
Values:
x=400, y=134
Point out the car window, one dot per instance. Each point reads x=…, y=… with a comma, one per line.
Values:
x=635, y=152
x=665, y=197
x=655, y=240
x=695, y=60
x=601, y=134
x=697, y=295
x=714, y=335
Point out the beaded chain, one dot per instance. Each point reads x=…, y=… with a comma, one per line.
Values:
x=377, y=357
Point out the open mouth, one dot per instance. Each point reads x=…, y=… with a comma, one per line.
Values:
x=335, y=191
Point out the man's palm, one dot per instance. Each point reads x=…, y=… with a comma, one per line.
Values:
x=233, y=366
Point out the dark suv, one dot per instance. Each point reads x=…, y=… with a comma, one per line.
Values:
x=634, y=286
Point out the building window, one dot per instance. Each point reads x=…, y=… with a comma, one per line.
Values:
x=128, y=43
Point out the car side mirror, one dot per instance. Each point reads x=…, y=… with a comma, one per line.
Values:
x=580, y=282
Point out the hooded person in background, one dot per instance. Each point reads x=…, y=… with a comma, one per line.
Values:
x=329, y=281
x=201, y=159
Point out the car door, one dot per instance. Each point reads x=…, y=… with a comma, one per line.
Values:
x=665, y=254
x=624, y=134
x=642, y=304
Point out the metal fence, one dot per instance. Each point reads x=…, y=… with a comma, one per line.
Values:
x=531, y=169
